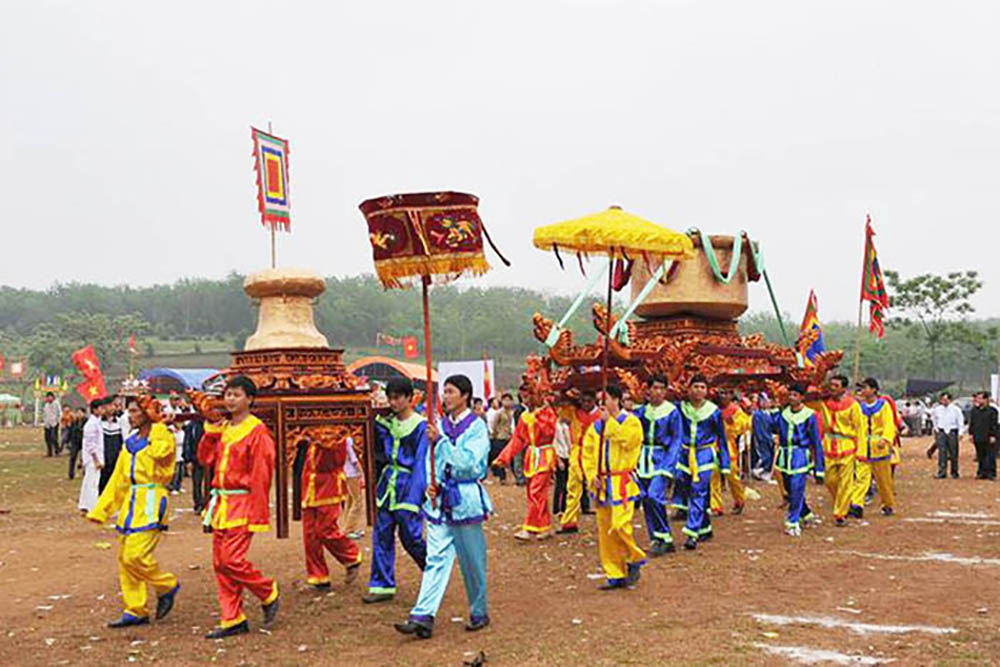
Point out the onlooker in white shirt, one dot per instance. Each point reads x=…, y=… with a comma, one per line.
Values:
x=93, y=456
x=949, y=422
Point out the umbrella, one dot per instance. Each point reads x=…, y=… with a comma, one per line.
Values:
x=619, y=235
x=426, y=237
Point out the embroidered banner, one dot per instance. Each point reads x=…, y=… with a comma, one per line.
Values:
x=271, y=164
x=433, y=234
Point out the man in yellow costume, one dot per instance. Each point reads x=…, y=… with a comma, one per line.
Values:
x=737, y=423
x=580, y=414
x=878, y=434
x=137, y=491
x=610, y=454
x=841, y=431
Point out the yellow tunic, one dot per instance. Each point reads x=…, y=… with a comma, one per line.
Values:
x=878, y=433
x=610, y=455
x=137, y=490
x=842, y=427
x=609, y=460
x=737, y=426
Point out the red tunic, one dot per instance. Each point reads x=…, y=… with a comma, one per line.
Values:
x=536, y=431
x=324, y=481
x=243, y=458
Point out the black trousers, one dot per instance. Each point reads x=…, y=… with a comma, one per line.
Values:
x=986, y=455
x=198, y=486
x=112, y=445
x=74, y=452
x=496, y=446
x=559, y=494
x=947, y=443
x=51, y=440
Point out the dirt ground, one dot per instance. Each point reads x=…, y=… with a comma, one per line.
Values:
x=59, y=587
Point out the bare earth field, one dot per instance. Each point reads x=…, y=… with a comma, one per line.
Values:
x=919, y=588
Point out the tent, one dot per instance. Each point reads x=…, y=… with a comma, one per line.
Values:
x=383, y=369
x=164, y=380
x=7, y=399
x=925, y=387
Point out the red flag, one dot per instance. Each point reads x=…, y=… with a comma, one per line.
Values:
x=411, y=350
x=873, y=284
x=92, y=389
x=487, y=382
x=131, y=344
x=86, y=361
x=3, y=360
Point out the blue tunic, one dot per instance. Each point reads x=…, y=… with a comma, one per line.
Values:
x=403, y=480
x=661, y=425
x=710, y=439
x=460, y=460
x=800, y=448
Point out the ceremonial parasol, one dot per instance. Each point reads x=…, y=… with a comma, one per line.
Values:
x=426, y=237
x=620, y=236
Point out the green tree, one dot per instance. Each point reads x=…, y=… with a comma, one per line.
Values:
x=49, y=348
x=933, y=308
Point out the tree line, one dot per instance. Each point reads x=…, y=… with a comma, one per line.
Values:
x=930, y=335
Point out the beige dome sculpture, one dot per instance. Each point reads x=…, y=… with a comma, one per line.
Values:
x=693, y=290
x=286, y=309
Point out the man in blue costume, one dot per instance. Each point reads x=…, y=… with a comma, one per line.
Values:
x=762, y=438
x=455, y=508
x=703, y=449
x=402, y=443
x=800, y=450
x=661, y=425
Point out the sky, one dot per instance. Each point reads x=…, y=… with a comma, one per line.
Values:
x=127, y=155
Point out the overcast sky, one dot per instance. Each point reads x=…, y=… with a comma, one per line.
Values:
x=127, y=150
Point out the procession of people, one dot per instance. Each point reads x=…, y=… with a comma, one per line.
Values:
x=659, y=455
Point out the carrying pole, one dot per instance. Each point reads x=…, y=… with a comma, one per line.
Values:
x=425, y=283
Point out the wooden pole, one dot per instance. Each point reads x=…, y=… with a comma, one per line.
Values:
x=607, y=327
x=425, y=283
x=857, y=345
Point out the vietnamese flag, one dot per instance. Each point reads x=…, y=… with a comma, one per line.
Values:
x=410, y=348
x=86, y=361
x=92, y=389
x=131, y=344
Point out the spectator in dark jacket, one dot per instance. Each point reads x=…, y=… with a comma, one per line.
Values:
x=984, y=432
x=193, y=431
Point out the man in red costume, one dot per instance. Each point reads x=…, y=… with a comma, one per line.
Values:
x=241, y=451
x=324, y=489
x=535, y=433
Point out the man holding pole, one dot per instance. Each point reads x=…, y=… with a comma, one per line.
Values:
x=455, y=508
x=610, y=454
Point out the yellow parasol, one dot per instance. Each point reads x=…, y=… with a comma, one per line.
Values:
x=619, y=235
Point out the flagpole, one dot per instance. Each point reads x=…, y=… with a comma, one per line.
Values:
x=861, y=302
x=274, y=260
x=857, y=343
